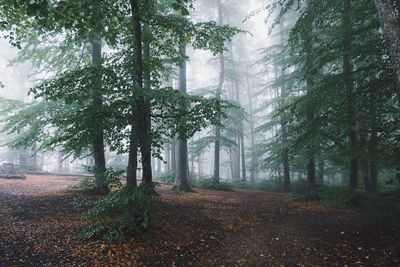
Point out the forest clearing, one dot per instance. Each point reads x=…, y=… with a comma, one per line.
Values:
x=206, y=228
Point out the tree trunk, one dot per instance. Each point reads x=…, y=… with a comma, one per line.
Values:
x=365, y=174
x=252, y=133
x=243, y=155
x=167, y=156
x=321, y=164
x=60, y=162
x=173, y=156
x=310, y=116
x=390, y=20
x=218, y=96
x=143, y=124
x=373, y=153
x=348, y=82
x=181, y=176
x=98, y=133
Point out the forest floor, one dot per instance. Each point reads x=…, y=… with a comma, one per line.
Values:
x=38, y=223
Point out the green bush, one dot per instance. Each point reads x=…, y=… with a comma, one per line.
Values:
x=165, y=177
x=269, y=185
x=88, y=184
x=119, y=213
x=208, y=183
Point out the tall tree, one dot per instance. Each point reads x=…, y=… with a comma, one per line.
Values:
x=310, y=110
x=389, y=15
x=349, y=91
x=98, y=132
x=217, y=142
x=181, y=175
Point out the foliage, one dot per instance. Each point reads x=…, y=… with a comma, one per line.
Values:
x=119, y=214
x=110, y=177
x=165, y=177
x=208, y=183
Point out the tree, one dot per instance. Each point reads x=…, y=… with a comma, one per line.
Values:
x=181, y=176
x=389, y=15
x=217, y=142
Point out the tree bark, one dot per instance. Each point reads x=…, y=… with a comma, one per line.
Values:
x=143, y=124
x=310, y=116
x=321, y=167
x=348, y=83
x=373, y=153
x=181, y=176
x=390, y=20
x=217, y=142
x=98, y=133
x=252, y=133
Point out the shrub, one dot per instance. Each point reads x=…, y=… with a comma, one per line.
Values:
x=208, y=183
x=165, y=177
x=119, y=213
x=111, y=178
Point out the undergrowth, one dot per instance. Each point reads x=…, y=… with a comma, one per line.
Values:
x=119, y=214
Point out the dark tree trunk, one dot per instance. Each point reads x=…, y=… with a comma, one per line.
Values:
x=310, y=116
x=98, y=132
x=390, y=20
x=143, y=125
x=365, y=174
x=321, y=164
x=131, y=181
x=348, y=82
x=181, y=176
x=173, y=156
x=167, y=151
x=217, y=141
x=373, y=153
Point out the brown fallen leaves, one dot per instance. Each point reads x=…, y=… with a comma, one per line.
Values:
x=206, y=228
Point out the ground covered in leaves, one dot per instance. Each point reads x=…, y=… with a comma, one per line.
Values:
x=38, y=223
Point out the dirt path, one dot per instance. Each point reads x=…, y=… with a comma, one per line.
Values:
x=207, y=228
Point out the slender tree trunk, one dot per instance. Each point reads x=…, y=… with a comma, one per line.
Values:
x=310, y=116
x=181, y=177
x=34, y=161
x=218, y=96
x=365, y=174
x=59, y=162
x=173, y=156
x=321, y=164
x=252, y=133
x=98, y=133
x=390, y=20
x=283, y=122
x=167, y=156
x=373, y=153
x=348, y=81
x=158, y=165
x=243, y=156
